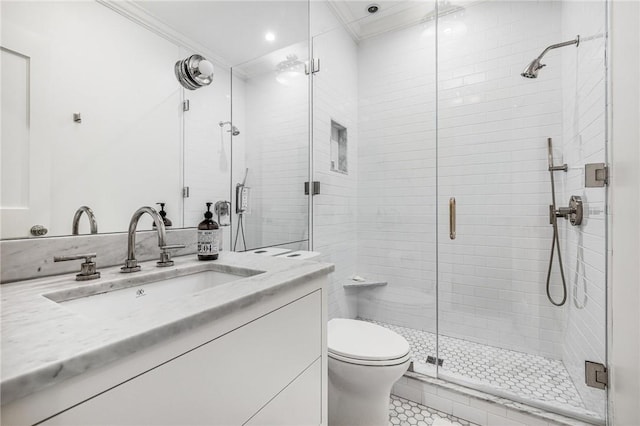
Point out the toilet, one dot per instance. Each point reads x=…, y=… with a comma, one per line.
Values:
x=365, y=360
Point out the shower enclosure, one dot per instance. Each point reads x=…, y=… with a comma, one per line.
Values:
x=431, y=151
x=496, y=325
x=424, y=151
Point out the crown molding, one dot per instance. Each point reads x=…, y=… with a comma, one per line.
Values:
x=140, y=16
x=346, y=18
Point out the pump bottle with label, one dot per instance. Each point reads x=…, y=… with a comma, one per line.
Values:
x=208, y=237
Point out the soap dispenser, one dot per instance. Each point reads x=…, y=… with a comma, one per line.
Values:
x=208, y=237
x=163, y=215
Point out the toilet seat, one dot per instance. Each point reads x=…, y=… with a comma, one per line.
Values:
x=364, y=343
x=364, y=362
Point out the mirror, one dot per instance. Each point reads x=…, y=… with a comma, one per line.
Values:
x=93, y=115
x=266, y=148
x=275, y=165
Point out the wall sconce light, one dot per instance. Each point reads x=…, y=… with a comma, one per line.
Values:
x=194, y=72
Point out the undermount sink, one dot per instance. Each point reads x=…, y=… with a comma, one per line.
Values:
x=121, y=302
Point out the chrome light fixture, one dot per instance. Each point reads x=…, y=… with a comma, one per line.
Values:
x=194, y=72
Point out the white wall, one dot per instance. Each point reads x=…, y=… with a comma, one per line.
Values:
x=584, y=247
x=625, y=222
x=126, y=153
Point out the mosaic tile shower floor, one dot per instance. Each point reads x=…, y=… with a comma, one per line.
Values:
x=530, y=377
x=403, y=412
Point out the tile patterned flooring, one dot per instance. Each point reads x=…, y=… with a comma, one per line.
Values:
x=403, y=412
x=530, y=377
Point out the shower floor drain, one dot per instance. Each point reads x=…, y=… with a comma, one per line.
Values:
x=432, y=360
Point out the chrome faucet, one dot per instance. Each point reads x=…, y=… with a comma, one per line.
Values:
x=88, y=268
x=131, y=264
x=76, y=219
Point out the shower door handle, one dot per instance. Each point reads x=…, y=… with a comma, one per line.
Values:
x=452, y=218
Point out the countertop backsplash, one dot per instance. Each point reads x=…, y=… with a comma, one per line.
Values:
x=33, y=258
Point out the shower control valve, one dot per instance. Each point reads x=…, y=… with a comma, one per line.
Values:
x=573, y=213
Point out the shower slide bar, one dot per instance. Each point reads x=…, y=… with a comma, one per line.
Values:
x=573, y=213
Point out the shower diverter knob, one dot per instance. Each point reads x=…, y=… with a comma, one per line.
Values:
x=575, y=210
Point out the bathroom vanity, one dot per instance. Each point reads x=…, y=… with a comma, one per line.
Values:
x=241, y=340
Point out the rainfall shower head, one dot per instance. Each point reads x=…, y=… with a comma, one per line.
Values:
x=444, y=8
x=531, y=71
x=234, y=130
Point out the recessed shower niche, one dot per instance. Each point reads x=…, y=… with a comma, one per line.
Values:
x=338, y=148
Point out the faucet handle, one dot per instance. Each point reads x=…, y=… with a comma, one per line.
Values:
x=165, y=256
x=86, y=256
x=87, y=269
x=172, y=247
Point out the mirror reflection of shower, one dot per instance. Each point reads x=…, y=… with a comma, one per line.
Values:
x=242, y=207
x=232, y=129
x=290, y=70
x=224, y=164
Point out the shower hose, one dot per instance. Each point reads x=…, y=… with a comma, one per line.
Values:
x=556, y=240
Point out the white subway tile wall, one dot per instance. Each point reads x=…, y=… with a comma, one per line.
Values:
x=492, y=130
x=335, y=97
x=584, y=247
x=397, y=176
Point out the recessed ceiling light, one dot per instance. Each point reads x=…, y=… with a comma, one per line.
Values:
x=270, y=36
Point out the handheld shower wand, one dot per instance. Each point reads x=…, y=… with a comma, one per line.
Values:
x=573, y=213
x=555, y=243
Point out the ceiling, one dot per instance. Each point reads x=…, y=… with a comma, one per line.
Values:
x=391, y=15
x=234, y=30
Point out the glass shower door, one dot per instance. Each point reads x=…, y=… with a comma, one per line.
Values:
x=374, y=141
x=269, y=137
x=498, y=328
x=335, y=149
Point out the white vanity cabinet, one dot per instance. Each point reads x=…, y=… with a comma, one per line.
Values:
x=267, y=370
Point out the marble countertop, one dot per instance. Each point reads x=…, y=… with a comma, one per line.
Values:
x=44, y=343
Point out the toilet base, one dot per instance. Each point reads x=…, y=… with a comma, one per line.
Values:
x=359, y=395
